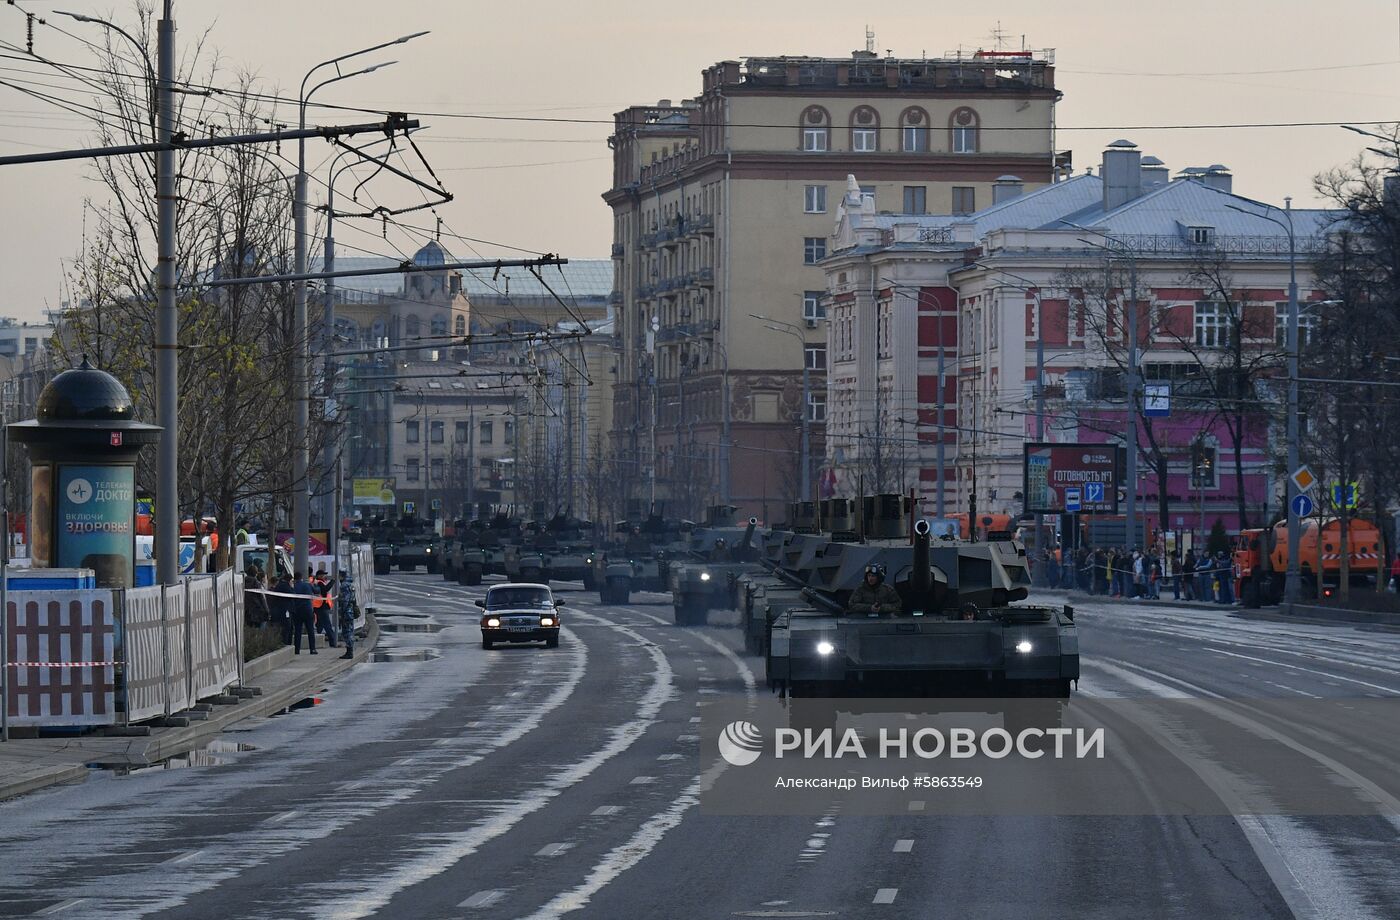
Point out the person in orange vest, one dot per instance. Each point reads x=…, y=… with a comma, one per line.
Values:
x=324, y=605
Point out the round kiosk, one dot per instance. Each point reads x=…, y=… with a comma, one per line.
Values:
x=82, y=451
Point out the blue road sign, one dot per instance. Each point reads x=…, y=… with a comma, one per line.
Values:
x=1093, y=493
x=1302, y=505
x=1072, y=500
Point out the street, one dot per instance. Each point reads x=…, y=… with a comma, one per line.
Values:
x=445, y=781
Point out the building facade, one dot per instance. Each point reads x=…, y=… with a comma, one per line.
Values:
x=722, y=209
x=1029, y=303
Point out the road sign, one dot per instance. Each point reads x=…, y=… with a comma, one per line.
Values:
x=1072, y=500
x=1350, y=499
x=410, y=507
x=1303, y=478
x=1157, y=400
x=1094, y=492
x=437, y=504
x=1302, y=505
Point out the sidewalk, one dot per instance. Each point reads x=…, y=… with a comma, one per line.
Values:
x=1076, y=596
x=28, y=764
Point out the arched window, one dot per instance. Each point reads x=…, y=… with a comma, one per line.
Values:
x=913, y=130
x=815, y=130
x=440, y=324
x=410, y=325
x=963, y=127
x=865, y=130
x=459, y=325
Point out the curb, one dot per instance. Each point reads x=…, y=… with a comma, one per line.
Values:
x=170, y=742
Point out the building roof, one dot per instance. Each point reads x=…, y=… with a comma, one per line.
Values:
x=581, y=278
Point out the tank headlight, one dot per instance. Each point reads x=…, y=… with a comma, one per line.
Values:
x=704, y=576
x=825, y=648
x=493, y=622
x=1024, y=647
x=546, y=621
x=430, y=549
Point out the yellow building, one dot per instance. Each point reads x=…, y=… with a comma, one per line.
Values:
x=722, y=210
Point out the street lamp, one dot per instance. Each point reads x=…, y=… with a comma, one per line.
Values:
x=301, y=456
x=778, y=325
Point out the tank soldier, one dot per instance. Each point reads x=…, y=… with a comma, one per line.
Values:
x=720, y=552
x=874, y=597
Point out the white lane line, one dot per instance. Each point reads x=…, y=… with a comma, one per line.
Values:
x=60, y=907
x=1389, y=691
x=554, y=849
x=484, y=899
x=885, y=896
x=404, y=761
x=450, y=849
x=603, y=811
x=916, y=805
x=286, y=815
x=903, y=846
x=694, y=718
x=687, y=738
x=671, y=757
x=642, y=781
x=183, y=858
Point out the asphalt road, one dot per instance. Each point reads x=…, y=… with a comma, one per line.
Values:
x=447, y=781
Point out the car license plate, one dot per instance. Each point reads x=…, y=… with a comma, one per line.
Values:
x=519, y=628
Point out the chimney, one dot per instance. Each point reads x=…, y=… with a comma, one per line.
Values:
x=1154, y=174
x=1218, y=177
x=1006, y=188
x=1121, y=174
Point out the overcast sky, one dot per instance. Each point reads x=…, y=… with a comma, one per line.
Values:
x=537, y=185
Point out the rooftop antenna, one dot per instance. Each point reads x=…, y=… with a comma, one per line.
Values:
x=999, y=36
x=869, y=39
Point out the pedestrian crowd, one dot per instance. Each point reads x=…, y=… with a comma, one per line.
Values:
x=1118, y=572
x=311, y=604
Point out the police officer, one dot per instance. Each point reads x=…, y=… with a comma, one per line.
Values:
x=346, y=611
x=874, y=597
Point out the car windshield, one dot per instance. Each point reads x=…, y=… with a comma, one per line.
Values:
x=498, y=598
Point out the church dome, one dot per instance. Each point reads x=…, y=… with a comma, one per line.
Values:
x=431, y=254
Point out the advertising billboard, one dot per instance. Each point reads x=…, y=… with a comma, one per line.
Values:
x=96, y=507
x=1085, y=476
x=318, y=542
x=372, y=492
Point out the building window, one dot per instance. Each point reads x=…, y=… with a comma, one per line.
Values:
x=410, y=325
x=865, y=130
x=1200, y=236
x=1307, y=324
x=510, y=432
x=412, y=429
x=816, y=130
x=863, y=140
x=484, y=433
x=459, y=326
x=1211, y=325
x=435, y=432
x=915, y=199
x=813, y=310
x=867, y=193
x=913, y=131
x=437, y=469
x=460, y=432
x=412, y=469
x=439, y=325
x=964, y=200
x=813, y=249
x=816, y=357
x=814, y=199
x=1205, y=473
x=816, y=407
x=963, y=128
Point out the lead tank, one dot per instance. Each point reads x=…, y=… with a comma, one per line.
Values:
x=961, y=632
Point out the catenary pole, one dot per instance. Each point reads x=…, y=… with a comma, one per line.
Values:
x=1291, y=582
x=167, y=537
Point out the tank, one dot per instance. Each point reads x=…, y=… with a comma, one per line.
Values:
x=963, y=630
x=719, y=554
x=571, y=553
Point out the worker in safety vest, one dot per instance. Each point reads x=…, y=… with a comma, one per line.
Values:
x=324, y=605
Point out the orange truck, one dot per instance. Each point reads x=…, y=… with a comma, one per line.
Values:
x=1261, y=559
x=986, y=524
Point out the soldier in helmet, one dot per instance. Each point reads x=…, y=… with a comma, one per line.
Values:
x=720, y=552
x=874, y=598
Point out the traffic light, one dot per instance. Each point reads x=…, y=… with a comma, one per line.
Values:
x=1202, y=465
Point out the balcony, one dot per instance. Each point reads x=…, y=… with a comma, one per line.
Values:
x=704, y=277
x=650, y=239
x=700, y=224
x=646, y=291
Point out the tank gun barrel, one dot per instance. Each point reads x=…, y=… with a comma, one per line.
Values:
x=920, y=579
x=748, y=533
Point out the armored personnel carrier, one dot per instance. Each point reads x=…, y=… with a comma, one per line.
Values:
x=959, y=630
x=719, y=553
x=571, y=555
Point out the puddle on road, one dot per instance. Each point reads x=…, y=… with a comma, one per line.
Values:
x=413, y=627
x=404, y=654
x=206, y=756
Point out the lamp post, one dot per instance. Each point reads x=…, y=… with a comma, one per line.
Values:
x=301, y=518
x=778, y=325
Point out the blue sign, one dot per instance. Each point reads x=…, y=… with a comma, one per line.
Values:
x=1072, y=500
x=1302, y=505
x=1348, y=497
x=94, y=525
x=1093, y=493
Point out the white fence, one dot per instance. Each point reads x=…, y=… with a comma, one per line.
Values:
x=62, y=659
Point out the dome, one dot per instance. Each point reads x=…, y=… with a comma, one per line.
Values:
x=85, y=394
x=430, y=254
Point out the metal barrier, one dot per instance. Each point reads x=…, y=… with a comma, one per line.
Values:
x=62, y=658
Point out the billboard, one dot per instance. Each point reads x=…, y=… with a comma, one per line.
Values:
x=372, y=492
x=318, y=542
x=94, y=524
x=1086, y=476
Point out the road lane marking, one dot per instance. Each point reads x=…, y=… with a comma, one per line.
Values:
x=916, y=805
x=484, y=898
x=642, y=781
x=903, y=846
x=671, y=757
x=885, y=896
x=554, y=849
x=694, y=719
x=183, y=858
x=684, y=739
x=278, y=819
x=60, y=907
x=603, y=811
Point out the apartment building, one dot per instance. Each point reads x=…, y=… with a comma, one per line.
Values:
x=722, y=209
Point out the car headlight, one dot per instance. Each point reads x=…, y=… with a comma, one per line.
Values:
x=546, y=621
x=704, y=576
x=493, y=622
x=825, y=648
x=1024, y=647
